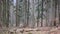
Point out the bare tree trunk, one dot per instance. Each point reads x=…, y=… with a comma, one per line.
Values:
x=57, y=14
x=55, y=3
x=33, y=18
x=38, y=15
x=42, y=15
x=16, y=13
x=59, y=10
x=0, y=13
x=27, y=12
x=8, y=13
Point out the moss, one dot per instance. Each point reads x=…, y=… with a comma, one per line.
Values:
x=29, y=33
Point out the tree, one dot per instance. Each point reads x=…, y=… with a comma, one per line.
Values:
x=17, y=13
x=4, y=12
x=42, y=15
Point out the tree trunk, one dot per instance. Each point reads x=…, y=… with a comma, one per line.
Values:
x=42, y=15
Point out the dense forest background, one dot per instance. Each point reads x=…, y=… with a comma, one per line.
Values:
x=29, y=13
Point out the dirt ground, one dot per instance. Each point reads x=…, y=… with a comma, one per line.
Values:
x=41, y=30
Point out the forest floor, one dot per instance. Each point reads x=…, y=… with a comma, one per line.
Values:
x=41, y=30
